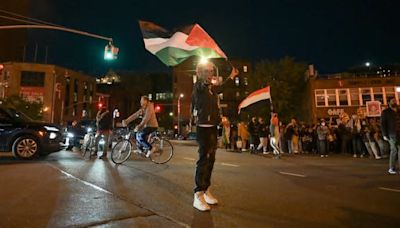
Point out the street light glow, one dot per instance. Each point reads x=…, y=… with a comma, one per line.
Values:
x=181, y=95
x=203, y=60
x=367, y=64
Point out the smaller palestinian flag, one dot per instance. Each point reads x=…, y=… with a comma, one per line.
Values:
x=174, y=48
x=256, y=96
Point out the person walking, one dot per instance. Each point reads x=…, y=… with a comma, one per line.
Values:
x=253, y=131
x=390, y=126
x=263, y=134
x=205, y=110
x=104, y=129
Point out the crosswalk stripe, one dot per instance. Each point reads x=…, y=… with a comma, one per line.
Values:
x=293, y=174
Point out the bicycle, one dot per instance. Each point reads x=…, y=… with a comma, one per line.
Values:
x=88, y=144
x=163, y=149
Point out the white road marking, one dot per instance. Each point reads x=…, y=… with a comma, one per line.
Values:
x=293, y=174
x=389, y=189
x=110, y=193
x=189, y=159
x=228, y=164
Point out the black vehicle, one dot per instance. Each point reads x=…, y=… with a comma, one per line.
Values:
x=75, y=135
x=27, y=138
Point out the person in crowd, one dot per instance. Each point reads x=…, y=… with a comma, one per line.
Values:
x=226, y=132
x=307, y=139
x=253, y=131
x=275, y=134
x=344, y=132
x=378, y=138
x=243, y=134
x=205, y=110
x=104, y=129
x=289, y=132
x=263, y=134
x=390, y=124
x=356, y=139
x=322, y=132
x=148, y=124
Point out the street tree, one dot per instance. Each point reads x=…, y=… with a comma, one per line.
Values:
x=287, y=82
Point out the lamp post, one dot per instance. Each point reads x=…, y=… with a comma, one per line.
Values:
x=179, y=113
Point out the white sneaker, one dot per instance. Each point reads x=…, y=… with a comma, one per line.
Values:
x=355, y=155
x=210, y=199
x=266, y=152
x=391, y=171
x=378, y=157
x=199, y=202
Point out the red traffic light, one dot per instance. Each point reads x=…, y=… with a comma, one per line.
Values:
x=158, y=108
x=100, y=105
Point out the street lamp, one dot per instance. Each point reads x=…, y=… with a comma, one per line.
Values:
x=179, y=113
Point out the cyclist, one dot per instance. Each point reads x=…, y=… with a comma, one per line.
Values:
x=148, y=124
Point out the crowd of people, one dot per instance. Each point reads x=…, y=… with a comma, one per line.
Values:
x=347, y=134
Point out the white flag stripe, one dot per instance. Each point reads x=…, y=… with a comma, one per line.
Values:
x=178, y=40
x=251, y=100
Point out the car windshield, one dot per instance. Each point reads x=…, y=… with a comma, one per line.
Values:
x=18, y=116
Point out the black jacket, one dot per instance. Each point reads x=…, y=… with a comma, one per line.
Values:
x=390, y=123
x=205, y=103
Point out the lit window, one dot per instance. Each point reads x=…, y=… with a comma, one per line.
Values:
x=320, y=97
x=366, y=95
x=237, y=81
x=331, y=95
x=343, y=101
x=355, y=97
x=244, y=69
x=390, y=94
x=378, y=94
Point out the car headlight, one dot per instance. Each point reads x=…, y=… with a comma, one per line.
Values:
x=52, y=135
x=69, y=135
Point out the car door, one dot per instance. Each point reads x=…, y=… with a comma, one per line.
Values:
x=6, y=129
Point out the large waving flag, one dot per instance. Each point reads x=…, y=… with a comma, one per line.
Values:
x=173, y=49
x=256, y=96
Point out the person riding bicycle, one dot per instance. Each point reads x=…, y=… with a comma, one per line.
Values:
x=148, y=124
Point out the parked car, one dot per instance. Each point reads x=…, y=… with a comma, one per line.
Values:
x=27, y=138
x=75, y=134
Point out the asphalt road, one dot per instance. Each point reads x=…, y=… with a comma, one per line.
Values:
x=64, y=190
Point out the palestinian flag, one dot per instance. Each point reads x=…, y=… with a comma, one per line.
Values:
x=174, y=48
x=256, y=96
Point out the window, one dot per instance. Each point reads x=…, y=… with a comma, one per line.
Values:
x=390, y=94
x=366, y=95
x=343, y=100
x=32, y=78
x=245, y=69
x=331, y=95
x=237, y=82
x=320, y=97
x=378, y=94
x=355, y=97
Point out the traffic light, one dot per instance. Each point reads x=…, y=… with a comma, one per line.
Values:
x=100, y=105
x=157, y=108
x=110, y=52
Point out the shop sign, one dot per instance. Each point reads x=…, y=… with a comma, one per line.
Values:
x=335, y=111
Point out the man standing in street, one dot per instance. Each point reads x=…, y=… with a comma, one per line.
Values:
x=390, y=121
x=206, y=113
x=104, y=128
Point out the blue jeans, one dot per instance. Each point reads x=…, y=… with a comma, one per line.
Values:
x=142, y=136
x=394, y=153
x=290, y=146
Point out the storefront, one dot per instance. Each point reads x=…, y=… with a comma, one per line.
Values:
x=365, y=96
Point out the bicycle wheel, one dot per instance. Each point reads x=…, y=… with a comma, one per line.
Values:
x=85, y=147
x=162, y=152
x=121, y=151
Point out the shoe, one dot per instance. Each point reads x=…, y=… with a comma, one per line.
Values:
x=103, y=156
x=266, y=152
x=322, y=155
x=200, y=203
x=326, y=155
x=362, y=155
x=210, y=199
x=392, y=172
x=149, y=152
x=355, y=155
x=378, y=157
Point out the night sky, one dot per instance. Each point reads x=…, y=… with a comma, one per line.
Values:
x=333, y=35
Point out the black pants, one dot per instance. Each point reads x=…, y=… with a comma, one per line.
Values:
x=207, y=139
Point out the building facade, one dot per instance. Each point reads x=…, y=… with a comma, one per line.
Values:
x=332, y=96
x=66, y=94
